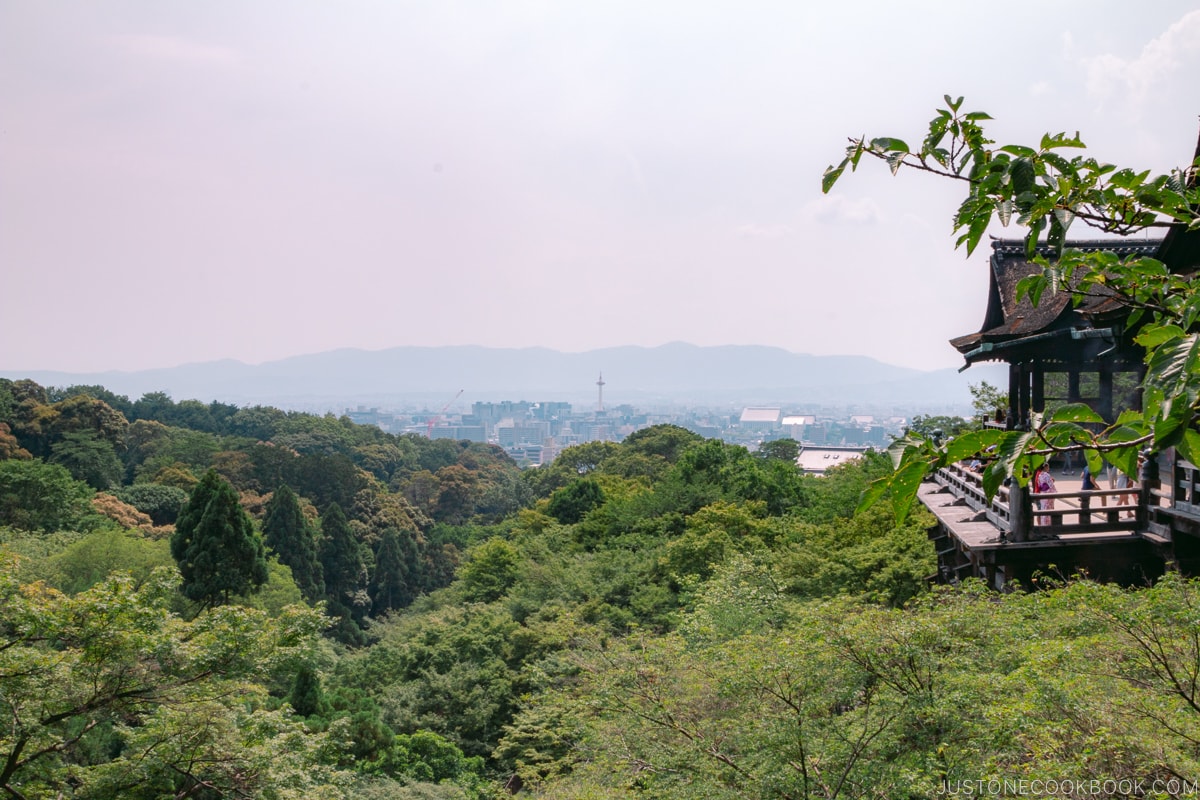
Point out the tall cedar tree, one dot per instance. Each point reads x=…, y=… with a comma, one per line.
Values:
x=392, y=585
x=219, y=552
x=291, y=538
x=341, y=556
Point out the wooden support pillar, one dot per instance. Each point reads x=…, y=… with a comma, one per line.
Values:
x=1141, y=380
x=1026, y=405
x=1014, y=396
x=1020, y=512
x=1105, y=402
x=1038, y=401
x=1073, y=393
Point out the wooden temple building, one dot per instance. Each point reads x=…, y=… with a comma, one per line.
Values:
x=1059, y=352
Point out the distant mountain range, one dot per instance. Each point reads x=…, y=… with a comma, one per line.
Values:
x=672, y=373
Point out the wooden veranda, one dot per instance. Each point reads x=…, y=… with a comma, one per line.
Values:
x=1007, y=541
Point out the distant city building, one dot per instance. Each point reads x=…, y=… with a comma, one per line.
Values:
x=795, y=424
x=600, y=433
x=529, y=455
x=470, y=433
x=364, y=416
x=526, y=433
x=817, y=460
x=760, y=417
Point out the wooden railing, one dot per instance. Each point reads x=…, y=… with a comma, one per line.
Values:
x=968, y=487
x=1097, y=511
x=1170, y=489
x=1184, y=488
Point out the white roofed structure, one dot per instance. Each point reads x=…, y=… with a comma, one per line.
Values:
x=760, y=416
x=817, y=460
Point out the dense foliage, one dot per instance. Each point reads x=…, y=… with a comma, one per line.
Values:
x=668, y=617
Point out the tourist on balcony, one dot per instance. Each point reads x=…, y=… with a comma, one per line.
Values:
x=1123, y=499
x=1088, y=484
x=1043, y=483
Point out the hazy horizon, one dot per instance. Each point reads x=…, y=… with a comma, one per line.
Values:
x=187, y=183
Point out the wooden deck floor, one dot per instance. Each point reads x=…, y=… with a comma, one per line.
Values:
x=975, y=533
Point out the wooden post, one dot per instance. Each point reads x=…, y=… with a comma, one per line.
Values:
x=1014, y=397
x=1073, y=393
x=1038, y=401
x=1105, y=401
x=1147, y=480
x=1019, y=512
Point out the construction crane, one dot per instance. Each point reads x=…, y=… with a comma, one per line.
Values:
x=437, y=417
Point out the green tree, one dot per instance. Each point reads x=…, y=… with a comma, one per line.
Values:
x=939, y=427
x=116, y=401
x=665, y=441
x=35, y=495
x=1045, y=191
x=161, y=503
x=9, y=446
x=109, y=694
x=987, y=400
x=287, y=533
x=90, y=560
x=343, y=565
x=491, y=569
x=394, y=582
x=569, y=504
x=780, y=450
x=88, y=458
x=215, y=544
x=306, y=696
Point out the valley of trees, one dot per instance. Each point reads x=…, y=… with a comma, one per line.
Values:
x=204, y=601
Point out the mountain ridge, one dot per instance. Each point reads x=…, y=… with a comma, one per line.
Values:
x=676, y=371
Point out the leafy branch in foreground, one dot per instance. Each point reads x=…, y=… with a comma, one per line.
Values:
x=1045, y=192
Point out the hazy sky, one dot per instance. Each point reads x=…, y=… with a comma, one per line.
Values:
x=192, y=181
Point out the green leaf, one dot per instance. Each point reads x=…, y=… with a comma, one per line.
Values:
x=1061, y=140
x=1011, y=447
x=1168, y=429
x=978, y=227
x=970, y=444
x=1019, y=150
x=899, y=448
x=993, y=478
x=1174, y=368
x=896, y=160
x=1124, y=459
x=1153, y=336
x=1004, y=211
x=889, y=144
x=1189, y=446
x=1076, y=412
x=1065, y=217
x=1023, y=175
x=875, y=489
x=831, y=175
x=1033, y=286
x=1128, y=179
x=905, y=483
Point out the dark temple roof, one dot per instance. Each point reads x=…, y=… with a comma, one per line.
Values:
x=1008, y=322
x=1015, y=330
